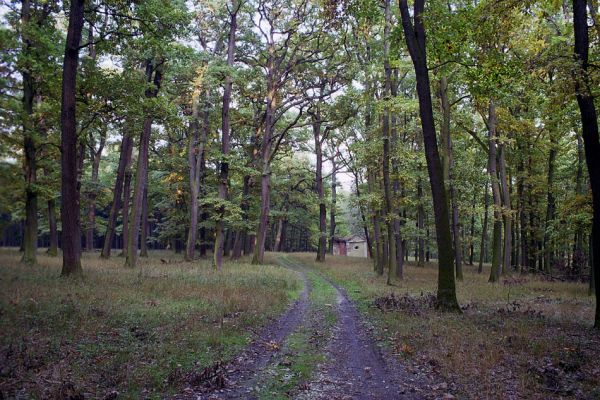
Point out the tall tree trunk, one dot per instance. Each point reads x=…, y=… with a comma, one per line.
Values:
x=30, y=236
x=591, y=140
x=493, y=172
x=124, y=160
x=414, y=33
x=506, y=208
x=332, y=224
x=396, y=190
x=578, y=250
x=125, y=205
x=144, y=223
x=448, y=167
x=95, y=156
x=240, y=234
x=387, y=185
x=375, y=217
x=362, y=215
x=71, y=230
x=265, y=159
x=484, y=229
x=195, y=151
x=225, y=132
x=420, y=248
x=472, y=230
x=52, y=226
x=551, y=207
x=142, y=169
x=318, y=140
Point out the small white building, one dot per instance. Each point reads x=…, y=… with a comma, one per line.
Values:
x=351, y=246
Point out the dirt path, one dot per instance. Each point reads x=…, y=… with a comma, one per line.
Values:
x=354, y=367
x=238, y=377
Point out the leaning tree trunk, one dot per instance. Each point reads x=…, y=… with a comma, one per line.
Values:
x=591, y=139
x=142, y=171
x=414, y=33
x=71, y=230
x=124, y=160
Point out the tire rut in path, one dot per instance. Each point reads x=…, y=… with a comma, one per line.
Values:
x=356, y=368
x=245, y=368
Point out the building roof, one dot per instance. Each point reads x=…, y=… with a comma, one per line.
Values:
x=350, y=239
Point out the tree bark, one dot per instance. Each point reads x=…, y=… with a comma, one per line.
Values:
x=591, y=139
x=30, y=235
x=225, y=132
x=52, y=226
x=385, y=130
x=484, y=229
x=265, y=159
x=318, y=141
x=144, y=224
x=71, y=230
x=493, y=172
x=550, y=207
x=124, y=160
x=142, y=170
x=420, y=248
x=95, y=156
x=414, y=33
x=332, y=224
x=506, y=210
x=195, y=151
x=448, y=167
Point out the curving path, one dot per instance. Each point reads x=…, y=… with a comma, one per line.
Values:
x=355, y=367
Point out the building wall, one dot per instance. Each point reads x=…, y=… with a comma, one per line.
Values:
x=357, y=249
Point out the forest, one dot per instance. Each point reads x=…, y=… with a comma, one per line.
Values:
x=185, y=187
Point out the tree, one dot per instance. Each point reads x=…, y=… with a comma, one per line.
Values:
x=71, y=231
x=225, y=139
x=414, y=33
x=589, y=125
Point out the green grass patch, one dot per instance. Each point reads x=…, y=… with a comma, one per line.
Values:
x=303, y=349
x=134, y=331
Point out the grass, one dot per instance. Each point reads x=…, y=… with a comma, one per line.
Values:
x=138, y=332
x=302, y=351
x=523, y=337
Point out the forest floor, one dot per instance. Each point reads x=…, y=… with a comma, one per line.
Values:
x=309, y=330
x=321, y=348
x=525, y=337
x=121, y=333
